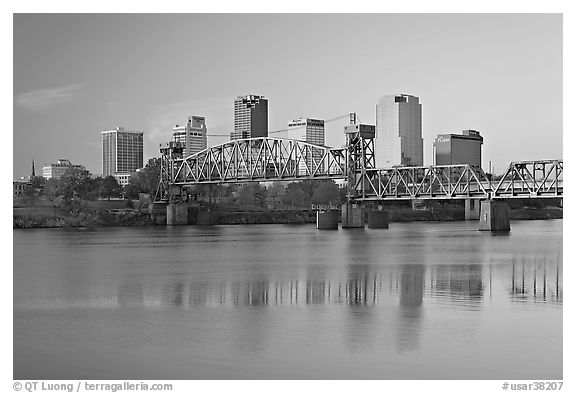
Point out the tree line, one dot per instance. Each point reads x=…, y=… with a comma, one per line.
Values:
x=80, y=184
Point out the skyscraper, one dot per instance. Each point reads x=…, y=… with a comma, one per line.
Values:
x=122, y=151
x=308, y=130
x=398, y=131
x=311, y=131
x=193, y=135
x=250, y=117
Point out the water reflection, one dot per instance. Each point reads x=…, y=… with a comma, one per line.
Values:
x=460, y=283
x=465, y=285
x=410, y=307
x=537, y=282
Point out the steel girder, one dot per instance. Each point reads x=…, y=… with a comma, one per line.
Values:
x=432, y=182
x=530, y=179
x=260, y=159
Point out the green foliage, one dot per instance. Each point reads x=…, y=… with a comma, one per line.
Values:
x=328, y=192
x=110, y=188
x=295, y=196
x=252, y=194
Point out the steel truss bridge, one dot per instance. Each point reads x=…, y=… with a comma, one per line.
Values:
x=275, y=159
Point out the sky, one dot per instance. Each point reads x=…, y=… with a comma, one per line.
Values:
x=75, y=75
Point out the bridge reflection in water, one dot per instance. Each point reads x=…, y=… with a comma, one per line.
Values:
x=407, y=285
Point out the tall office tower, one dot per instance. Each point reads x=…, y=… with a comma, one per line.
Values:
x=250, y=117
x=308, y=130
x=453, y=149
x=311, y=131
x=398, y=131
x=193, y=135
x=122, y=151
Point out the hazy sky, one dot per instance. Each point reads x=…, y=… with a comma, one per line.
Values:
x=78, y=74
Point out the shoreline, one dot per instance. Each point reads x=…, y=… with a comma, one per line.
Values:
x=58, y=218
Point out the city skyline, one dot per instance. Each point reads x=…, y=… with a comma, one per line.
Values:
x=77, y=79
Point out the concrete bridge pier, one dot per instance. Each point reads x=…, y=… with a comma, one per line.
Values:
x=471, y=209
x=327, y=219
x=494, y=216
x=177, y=214
x=157, y=212
x=352, y=215
x=378, y=218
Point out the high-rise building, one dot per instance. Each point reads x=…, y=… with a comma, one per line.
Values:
x=398, y=131
x=311, y=131
x=55, y=171
x=122, y=151
x=453, y=149
x=250, y=117
x=308, y=130
x=192, y=135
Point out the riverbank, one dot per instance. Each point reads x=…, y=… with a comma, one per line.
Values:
x=44, y=217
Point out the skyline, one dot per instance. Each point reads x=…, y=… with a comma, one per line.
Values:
x=500, y=74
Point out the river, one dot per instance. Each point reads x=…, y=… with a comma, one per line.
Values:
x=416, y=301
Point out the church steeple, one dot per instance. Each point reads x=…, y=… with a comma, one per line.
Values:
x=33, y=170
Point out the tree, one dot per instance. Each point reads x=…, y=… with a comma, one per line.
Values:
x=110, y=188
x=252, y=193
x=295, y=195
x=275, y=192
x=327, y=193
x=149, y=177
x=75, y=183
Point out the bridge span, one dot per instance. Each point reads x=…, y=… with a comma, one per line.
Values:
x=269, y=159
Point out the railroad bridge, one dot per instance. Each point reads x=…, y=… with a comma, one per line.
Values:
x=270, y=159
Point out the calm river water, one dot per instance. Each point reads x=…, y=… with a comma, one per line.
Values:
x=416, y=301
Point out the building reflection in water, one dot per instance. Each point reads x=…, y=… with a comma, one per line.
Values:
x=410, y=307
x=173, y=293
x=536, y=281
x=359, y=285
x=459, y=283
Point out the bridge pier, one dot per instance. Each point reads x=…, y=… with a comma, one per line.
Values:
x=327, y=219
x=378, y=219
x=494, y=216
x=471, y=209
x=352, y=215
x=157, y=212
x=177, y=214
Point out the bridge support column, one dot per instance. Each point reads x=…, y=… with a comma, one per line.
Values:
x=494, y=216
x=352, y=215
x=378, y=219
x=177, y=214
x=157, y=212
x=471, y=209
x=327, y=219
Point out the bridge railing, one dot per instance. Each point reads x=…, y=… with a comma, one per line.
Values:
x=260, y=159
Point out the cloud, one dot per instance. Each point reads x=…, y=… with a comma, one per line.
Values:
x=43, y=98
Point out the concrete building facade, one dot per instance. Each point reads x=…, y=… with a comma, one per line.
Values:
x=453, y=149
x=311, y=131
x=250, y=117
x=122, y=151
x=398, y=139
x=55, y=171
x=308, y=130
x=192, y=135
